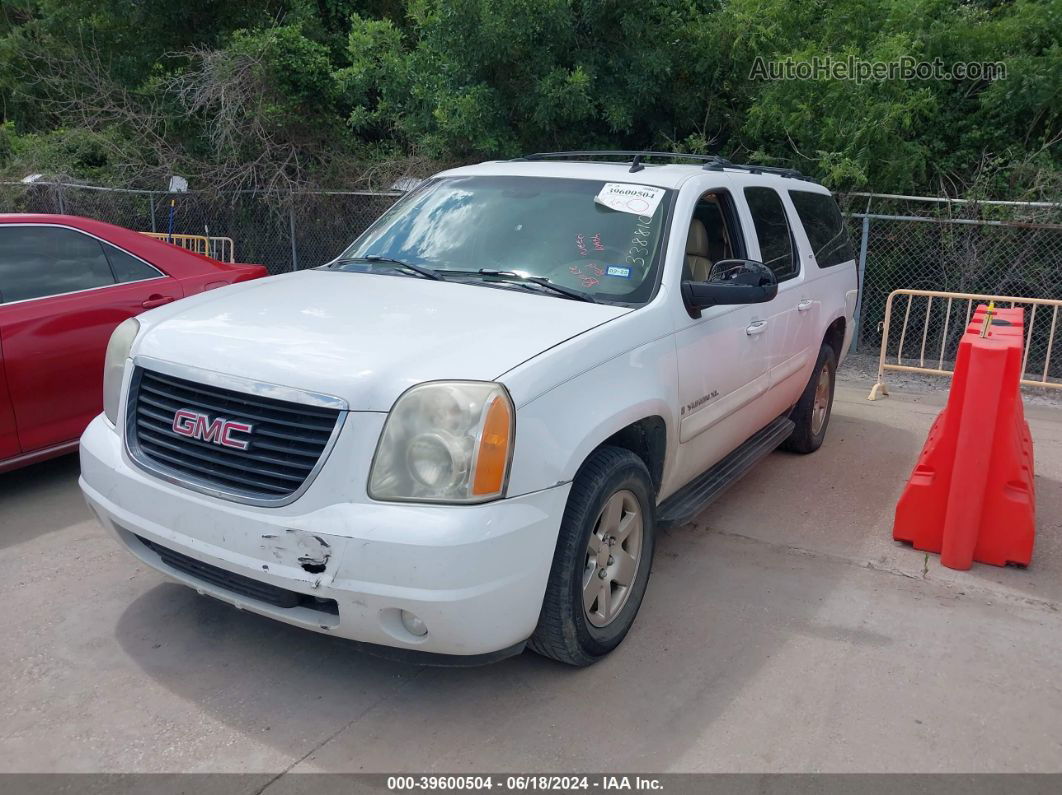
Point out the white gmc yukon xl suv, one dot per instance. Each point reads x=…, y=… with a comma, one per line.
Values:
x=461, y=436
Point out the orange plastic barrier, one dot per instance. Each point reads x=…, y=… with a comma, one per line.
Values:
x=971, y=495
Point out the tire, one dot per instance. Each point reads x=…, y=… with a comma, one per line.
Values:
x=567, y=631
x=811, y=425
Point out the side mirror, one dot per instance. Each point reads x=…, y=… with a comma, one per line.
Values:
x=732, y=281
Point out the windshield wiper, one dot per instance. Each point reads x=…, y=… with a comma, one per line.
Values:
x=427, y=273
x=541, y=281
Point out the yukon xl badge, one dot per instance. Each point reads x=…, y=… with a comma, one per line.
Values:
x=217, y=431
x=689, y=408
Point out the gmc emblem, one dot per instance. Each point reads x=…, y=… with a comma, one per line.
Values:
x=217, y=431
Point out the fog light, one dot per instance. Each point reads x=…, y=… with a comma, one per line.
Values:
x=413, y=625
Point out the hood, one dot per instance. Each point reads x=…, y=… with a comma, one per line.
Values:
x=363, y=337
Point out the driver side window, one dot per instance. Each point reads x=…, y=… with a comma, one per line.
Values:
x=713, y=236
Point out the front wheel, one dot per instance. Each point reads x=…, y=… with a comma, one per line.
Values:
x=602, y=561
x=812, y=412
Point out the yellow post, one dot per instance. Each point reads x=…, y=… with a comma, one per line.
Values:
x=988, y=318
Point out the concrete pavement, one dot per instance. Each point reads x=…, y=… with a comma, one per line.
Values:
x=783, y=631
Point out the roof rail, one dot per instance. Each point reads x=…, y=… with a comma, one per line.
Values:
x=711, y=162
x=791, y=173
x=636, y=155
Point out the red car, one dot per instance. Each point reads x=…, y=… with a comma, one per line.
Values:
x=65, y=284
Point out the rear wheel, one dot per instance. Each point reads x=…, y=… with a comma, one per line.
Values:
x=602, y=561
x=812, y=412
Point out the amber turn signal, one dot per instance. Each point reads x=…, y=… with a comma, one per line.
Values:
x=492, y=459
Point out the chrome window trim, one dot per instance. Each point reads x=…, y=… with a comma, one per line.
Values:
x=161, y=274
x=238, y=384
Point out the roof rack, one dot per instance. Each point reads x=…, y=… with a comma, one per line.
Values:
x=711, y=162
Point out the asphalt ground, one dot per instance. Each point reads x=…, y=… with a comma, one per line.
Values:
x=782, y=631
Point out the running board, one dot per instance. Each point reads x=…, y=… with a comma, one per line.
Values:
x=691, y=499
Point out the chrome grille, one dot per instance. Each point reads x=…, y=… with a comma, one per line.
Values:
x=284, y=447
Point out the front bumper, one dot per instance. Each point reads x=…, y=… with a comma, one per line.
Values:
x=475, y=575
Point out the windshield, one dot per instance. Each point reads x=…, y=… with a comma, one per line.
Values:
x=563, y=230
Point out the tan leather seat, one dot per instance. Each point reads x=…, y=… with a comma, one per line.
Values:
x=698, y=265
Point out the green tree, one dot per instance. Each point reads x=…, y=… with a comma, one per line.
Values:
x=269, y=92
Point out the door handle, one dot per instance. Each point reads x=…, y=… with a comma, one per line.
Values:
x=156, y=300
x=804, y=305
x=756, y=327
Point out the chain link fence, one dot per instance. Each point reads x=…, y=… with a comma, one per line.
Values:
x=302, y=231
x=929, y=243
x=1004, y=248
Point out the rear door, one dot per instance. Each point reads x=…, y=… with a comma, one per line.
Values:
x=62, y=293
x=792, y=348
x=831, y=269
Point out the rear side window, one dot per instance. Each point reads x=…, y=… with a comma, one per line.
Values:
x=772, y=231
x=128, y=268
x=824, y=227
x=39, y=261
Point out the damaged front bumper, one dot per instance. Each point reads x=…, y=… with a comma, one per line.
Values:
x=474, y=576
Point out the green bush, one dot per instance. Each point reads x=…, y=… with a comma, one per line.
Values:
x=341, y=84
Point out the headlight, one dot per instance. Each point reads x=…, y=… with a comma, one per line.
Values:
x=114, y=366
x=445, y=441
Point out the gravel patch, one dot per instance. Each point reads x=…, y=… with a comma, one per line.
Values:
x=862, y=368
